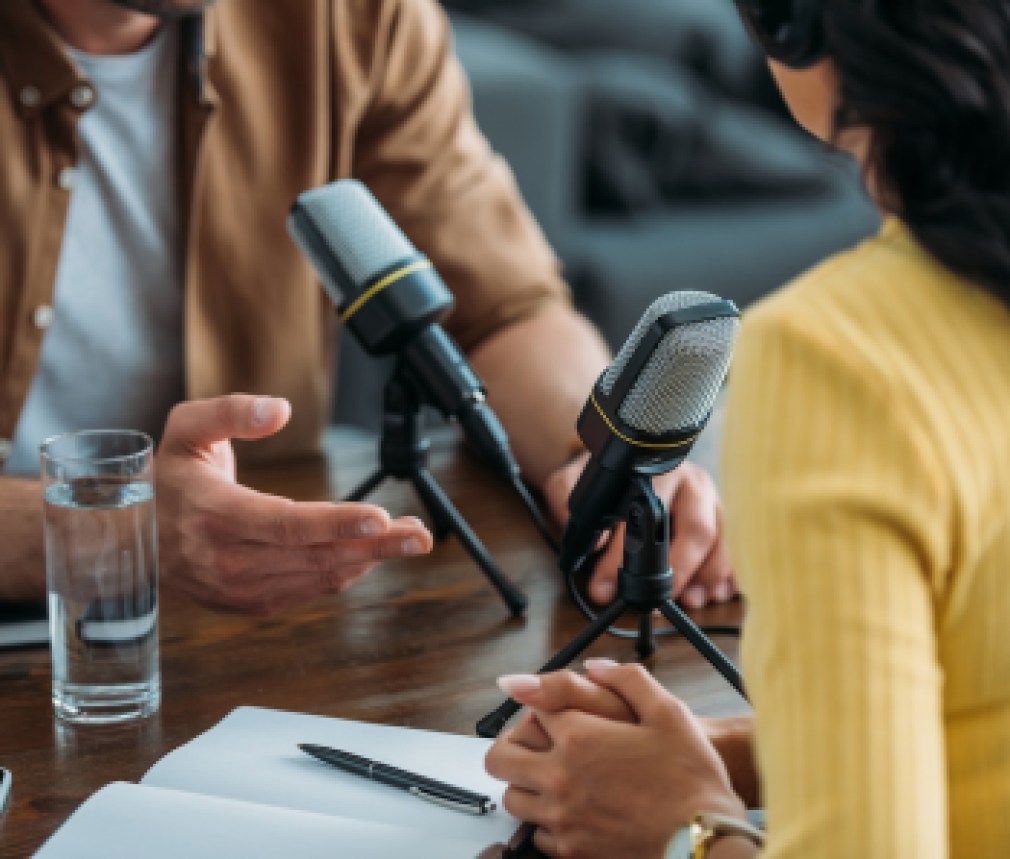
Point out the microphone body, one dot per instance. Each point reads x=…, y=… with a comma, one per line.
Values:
x=438, y=366
x=647, y=409
x=392, y=299
x=643, y=415
x=597, y=500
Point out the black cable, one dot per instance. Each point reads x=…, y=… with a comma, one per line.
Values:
x=545, y=531
x=538, y=518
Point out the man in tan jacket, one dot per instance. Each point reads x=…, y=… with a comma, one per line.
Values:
x=151, y=151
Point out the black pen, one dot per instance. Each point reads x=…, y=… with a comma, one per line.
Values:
x=456, y=798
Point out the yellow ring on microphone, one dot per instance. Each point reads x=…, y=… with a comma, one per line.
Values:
x=373, y=290
x=624, y=438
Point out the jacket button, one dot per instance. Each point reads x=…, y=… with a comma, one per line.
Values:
x=30, y=96
x=43, y=316
x=66, y=178
x=82, y=96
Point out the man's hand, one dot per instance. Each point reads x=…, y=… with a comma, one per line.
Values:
x=697, y=551
x=226, y=544
x=603, y=787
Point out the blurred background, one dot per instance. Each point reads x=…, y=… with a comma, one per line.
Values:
x=648, y=140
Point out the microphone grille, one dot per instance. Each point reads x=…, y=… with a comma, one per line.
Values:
x=677, y=387
x=357, y=229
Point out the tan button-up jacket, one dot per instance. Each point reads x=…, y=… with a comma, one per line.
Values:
x=275, y=98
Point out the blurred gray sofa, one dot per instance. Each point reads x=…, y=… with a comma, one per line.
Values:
x=645, y=176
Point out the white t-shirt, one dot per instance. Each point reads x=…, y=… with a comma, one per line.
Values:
x=112, y=357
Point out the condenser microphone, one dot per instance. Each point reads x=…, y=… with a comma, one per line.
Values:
x=648, y=408
x=392, y=299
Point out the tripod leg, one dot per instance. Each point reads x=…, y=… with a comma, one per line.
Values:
x=435, y=499
x=673, y=613
x=441, y=527
x=646, y=644
x=491, y=725
x=367, y=487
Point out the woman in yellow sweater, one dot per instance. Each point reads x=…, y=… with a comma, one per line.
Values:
x=867, y=490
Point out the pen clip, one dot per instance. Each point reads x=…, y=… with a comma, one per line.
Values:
x=483, y=807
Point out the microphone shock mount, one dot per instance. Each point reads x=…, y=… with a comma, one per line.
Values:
x=403, y=455
x=644, y=585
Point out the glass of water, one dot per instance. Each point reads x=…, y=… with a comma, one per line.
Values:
x=102, y=574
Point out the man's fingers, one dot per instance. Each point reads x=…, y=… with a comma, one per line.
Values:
x=695, y=511
x=713, y=582
x=558, y=486
x=603, y=585
x=406, y=538
x=271, y=594
x=240, y=560
x=235, y=511
x=197, y=424
x=265, y=578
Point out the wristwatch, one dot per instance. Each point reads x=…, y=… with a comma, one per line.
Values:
x=692, y=841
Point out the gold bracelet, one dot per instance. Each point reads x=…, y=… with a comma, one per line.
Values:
x=707, y=826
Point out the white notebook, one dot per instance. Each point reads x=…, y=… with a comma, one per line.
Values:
x=244, y=789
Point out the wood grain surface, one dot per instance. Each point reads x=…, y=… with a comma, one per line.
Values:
x=415, y=643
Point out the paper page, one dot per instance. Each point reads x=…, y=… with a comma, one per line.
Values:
x=124, y=821
x=253, y=755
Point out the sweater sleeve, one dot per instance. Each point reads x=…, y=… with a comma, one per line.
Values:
x=836, y=514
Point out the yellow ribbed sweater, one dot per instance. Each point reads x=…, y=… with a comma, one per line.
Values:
x=867, y=486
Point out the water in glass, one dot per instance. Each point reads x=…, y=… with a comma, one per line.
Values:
x=102, y=569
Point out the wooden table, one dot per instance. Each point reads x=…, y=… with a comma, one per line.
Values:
x=417, y=644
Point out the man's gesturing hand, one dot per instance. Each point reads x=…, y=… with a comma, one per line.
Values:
x=224, y=543
x=697, y=551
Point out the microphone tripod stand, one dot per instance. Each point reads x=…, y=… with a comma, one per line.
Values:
x=644, y=584
x=403, y=455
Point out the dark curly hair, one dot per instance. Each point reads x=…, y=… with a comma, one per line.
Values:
x=930, y=80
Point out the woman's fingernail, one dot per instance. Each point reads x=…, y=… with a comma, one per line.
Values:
x=517, y=684
x=605, y=591
x=723, y=591
x=695, y=597
x=412, y=546
x=262, y=410
x=599, y=664
x=371, y=528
